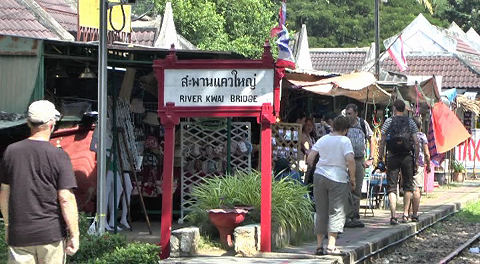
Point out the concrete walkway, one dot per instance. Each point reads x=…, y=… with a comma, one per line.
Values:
x=359, y=242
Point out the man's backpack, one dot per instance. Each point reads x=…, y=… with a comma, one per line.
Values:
x=364, y=128
x=398, y=136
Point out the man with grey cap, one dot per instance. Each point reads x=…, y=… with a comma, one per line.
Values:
x=36, y=198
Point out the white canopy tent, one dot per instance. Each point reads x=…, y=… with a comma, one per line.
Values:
x=359, y=85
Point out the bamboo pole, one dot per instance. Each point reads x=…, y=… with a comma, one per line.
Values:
x=132, y=166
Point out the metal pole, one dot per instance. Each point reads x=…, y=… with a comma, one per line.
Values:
x=115, y=151
x=377, y=39
x=102, y=120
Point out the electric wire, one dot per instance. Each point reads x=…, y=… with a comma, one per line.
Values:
x=123, y=19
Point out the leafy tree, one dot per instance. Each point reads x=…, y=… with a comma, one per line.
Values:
x=241, y=26
x=466, y=13
x=427, y=4
x=350, y=23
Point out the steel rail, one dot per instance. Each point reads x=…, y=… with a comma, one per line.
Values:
x=371, y=254
x=458, y=250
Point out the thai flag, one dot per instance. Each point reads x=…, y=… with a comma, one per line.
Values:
x=396, y=52
x=285, y=56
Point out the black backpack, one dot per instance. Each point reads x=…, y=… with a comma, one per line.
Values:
x=399, y=138
x=364, y=128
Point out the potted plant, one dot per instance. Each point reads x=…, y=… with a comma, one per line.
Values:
x=291, y=207
x=458, y=171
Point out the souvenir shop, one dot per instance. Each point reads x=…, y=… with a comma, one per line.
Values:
x=135, y=137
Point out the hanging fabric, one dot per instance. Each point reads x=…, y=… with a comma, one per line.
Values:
x=435, y=157
x=447, y=128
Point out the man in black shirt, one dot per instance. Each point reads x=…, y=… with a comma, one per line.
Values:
x=36, y=196
x=399, y=135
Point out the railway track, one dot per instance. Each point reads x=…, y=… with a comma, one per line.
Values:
x=431, y=246
x=460, y=249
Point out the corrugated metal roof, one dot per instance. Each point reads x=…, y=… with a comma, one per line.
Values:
x=17, y=20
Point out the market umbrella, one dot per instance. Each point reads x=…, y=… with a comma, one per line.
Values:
x=359, y=85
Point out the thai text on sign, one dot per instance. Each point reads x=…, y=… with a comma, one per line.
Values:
x=218, y=87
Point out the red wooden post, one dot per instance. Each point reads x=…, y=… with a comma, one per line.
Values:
x=169, y=120
x=266, y=119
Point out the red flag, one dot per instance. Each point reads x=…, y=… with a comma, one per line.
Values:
x=448, y=129
x=397, y=54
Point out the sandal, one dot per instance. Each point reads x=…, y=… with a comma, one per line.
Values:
x=414, y=218
x=333, y=251
x=404, y=219
x=319, y=251
x=393, y=221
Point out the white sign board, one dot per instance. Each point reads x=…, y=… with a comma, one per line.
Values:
x=218, y=87
x=469, y=153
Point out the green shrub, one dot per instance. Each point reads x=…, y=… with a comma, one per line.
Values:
x=133, y=253
x=291, y=207
x=108, y=248
x=92, y=246
x=3, y=245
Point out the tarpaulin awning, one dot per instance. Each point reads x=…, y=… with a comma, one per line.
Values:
x=21, y=73
x=424, y=92
x=359, y=85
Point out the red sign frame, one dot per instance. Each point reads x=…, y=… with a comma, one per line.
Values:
x=170, y=115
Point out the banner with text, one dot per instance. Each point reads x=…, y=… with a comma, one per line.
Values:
x=469, y=152
x=218, y=87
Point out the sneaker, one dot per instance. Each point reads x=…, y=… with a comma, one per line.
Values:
x=354, y=223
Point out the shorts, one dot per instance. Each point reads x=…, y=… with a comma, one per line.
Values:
x=53, y=253
x=395, y=164
x=419, y=178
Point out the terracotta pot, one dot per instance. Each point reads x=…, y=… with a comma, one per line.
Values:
x=458, y=176
x=225, y=220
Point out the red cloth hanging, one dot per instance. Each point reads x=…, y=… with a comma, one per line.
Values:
x=448, y=130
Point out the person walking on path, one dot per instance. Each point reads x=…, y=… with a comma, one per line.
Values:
x=36, y=198
x=358, y=133
x=331, y=183
x=423, y=161
x=399, y=135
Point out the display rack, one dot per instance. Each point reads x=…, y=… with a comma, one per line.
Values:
x=204, y=154
x=286, y=142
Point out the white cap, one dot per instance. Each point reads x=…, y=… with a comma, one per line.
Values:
x=42, y=111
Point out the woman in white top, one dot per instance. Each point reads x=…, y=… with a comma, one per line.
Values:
x=331, y=183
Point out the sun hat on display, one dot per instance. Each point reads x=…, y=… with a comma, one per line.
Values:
x=42, y=111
